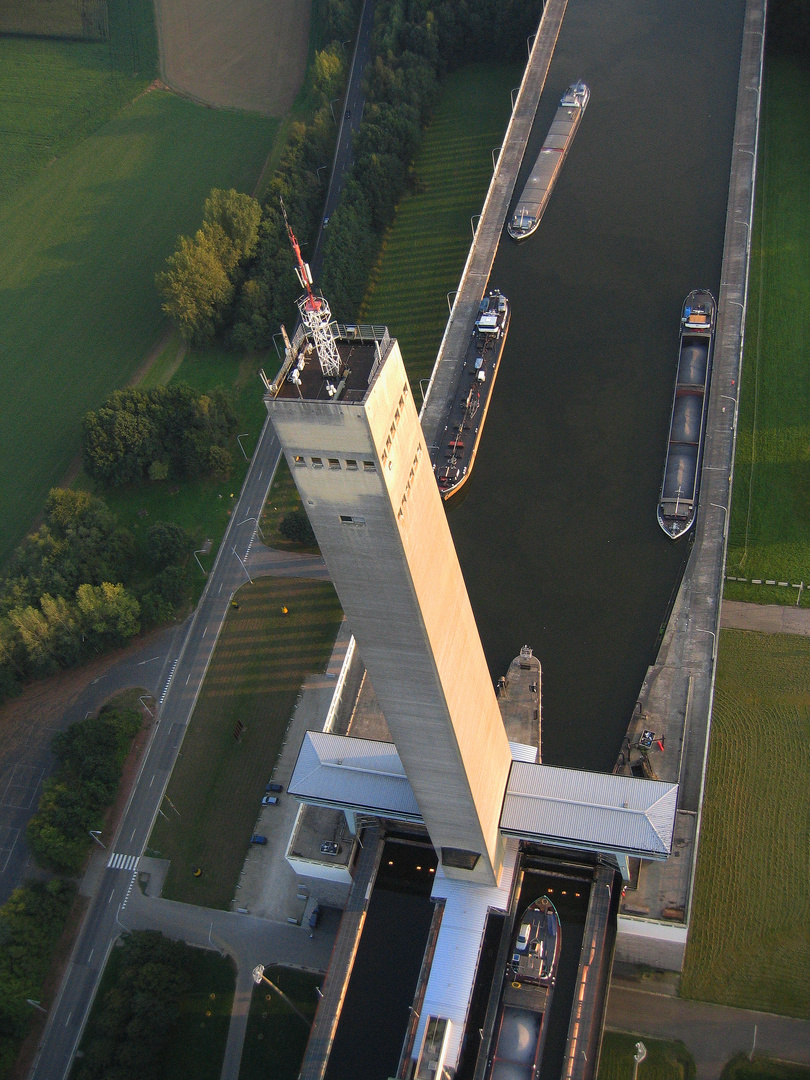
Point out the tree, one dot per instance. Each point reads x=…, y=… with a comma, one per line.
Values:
x=295, y=527
x=195, y=285
x=109, y=614
x=167, y=543
x=239, y=217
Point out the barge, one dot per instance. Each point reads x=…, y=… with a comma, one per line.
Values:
x=454, y=456
x=677, y=505
x=528, y=988
x=537, y=191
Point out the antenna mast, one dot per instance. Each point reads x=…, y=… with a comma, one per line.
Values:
x=314, y=310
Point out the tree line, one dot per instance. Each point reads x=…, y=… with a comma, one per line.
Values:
x=80, y=585
x=415, y=44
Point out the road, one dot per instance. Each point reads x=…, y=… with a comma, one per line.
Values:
x=765, y=618
x=713, y=1034
x=176, y=698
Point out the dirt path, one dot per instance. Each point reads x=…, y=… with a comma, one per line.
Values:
x=765, y=618
x=237, y=54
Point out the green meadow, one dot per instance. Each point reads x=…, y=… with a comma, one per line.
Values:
x=425, y=250
x=82, y=241
x=749, y=937
x=769, y=534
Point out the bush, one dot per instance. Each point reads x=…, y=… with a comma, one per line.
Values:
x=167, y=543
x=91, y=754
x=31, y=922
x=295, y=527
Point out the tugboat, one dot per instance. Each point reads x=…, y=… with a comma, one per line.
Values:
x=677, y=505
x=537, y=191
x=453, y=459
x=526, y=1001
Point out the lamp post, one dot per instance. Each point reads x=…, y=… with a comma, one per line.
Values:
x=259, y=977
x=638, y=1057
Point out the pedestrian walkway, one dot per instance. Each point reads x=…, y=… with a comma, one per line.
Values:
x=765, y=618
x=713, y=1034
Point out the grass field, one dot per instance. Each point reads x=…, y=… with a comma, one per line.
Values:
x=740, y=1068
x=424, y=252
x=81, y=244
x=749, y=938
x=197, y=1050
x=664, y=1061
x=83, y=19
x=282, y=498
x=770, y=517
x=276, y=1038
x=260, y=662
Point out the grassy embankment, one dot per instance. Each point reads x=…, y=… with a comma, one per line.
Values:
x=664, y=1061
x=96, y=184
x=769, y=535
x=749, y=942
x=276, y=1038
x=740, y=1068
x=260, y=662
x=425, y=250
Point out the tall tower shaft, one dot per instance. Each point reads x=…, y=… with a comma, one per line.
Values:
x=359, y=460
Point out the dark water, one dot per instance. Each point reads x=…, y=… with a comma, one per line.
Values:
x=557, y=532
x=375, y=1014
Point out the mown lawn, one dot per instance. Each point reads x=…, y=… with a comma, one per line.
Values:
x=425, y=250
x=770, y=516
x=276, y=1038
x=749, y=937
x=81, y=244
x=740, y=1068
x=260, y=662
x=664, y=1060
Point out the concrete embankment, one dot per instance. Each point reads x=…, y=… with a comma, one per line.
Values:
x=676, y=698
x=450, y=361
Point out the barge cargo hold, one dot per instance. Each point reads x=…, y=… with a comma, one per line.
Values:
x=454, y=455
x=677, y=506
x=528, y=988
x=533, y=201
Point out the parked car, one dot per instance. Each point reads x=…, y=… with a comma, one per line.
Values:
x=257, y=838
x=273, y=787
x=315, y=917
x=269, y=800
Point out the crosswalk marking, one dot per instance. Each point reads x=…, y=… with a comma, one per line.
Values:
x=123, y=862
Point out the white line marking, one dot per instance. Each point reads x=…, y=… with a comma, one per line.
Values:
x=90, y=957
x=152, y=780
x=205, y=631
x=68, y=1017
x=187, y=678
x=219, y=590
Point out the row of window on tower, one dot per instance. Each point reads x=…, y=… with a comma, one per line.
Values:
x=350, y=464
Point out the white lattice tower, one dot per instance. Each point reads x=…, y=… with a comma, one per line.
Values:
x=317, y=317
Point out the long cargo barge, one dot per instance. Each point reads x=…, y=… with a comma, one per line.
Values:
x=527, y=993
x=537, y=191
x=454, y=455
x=677, y=506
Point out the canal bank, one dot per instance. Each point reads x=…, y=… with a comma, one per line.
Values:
x=676, y=698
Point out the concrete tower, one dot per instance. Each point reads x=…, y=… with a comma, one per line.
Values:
x=358, y=456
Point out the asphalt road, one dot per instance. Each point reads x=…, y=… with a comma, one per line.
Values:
x=176, y=697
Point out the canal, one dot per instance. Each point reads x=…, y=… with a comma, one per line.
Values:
x=556, y=530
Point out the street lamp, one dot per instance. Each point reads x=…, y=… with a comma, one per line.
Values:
x=259, y=977
x=638, y=1057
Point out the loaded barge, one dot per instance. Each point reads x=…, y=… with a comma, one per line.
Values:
x=454, y=456
x=528, y=988
x=677, y=506
x=537, y=191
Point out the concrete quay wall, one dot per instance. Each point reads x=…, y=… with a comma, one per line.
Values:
x=450, y=360
x=677, y=694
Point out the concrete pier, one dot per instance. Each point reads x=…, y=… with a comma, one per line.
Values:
x=676, y=698
x=450, y=361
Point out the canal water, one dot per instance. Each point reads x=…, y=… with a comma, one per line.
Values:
x=556, y=530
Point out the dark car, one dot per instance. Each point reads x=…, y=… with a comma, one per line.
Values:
x=315, y=917
x=348, y=114
x=257, y=838
x=274, y=788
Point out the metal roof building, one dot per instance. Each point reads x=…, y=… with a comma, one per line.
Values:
x=594, y=811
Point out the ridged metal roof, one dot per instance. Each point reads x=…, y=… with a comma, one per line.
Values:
x=590, y=810
x=360, y=773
